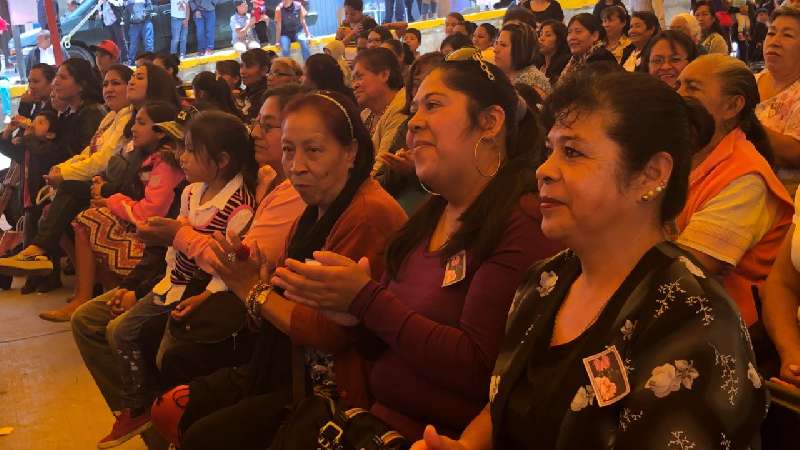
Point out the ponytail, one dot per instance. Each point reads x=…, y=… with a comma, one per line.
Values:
x=756, y=134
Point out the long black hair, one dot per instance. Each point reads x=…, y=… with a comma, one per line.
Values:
x=86, y=77
x=215, y=91
x=325, y=74
x=216, y=132
x=484, y=222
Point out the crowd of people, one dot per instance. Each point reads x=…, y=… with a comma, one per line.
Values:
x=545, y=235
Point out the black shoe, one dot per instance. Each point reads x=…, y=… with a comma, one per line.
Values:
x=5, y=282
x=503, y=4
x=31, y=283
x=49, y=284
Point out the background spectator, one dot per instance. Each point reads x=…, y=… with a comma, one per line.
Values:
x=179, y=23
x=205, y=21
x=113, y=12
x=140, y=26
x=290, y=20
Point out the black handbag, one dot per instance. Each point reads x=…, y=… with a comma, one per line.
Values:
x=221, y=316
x=319, y=422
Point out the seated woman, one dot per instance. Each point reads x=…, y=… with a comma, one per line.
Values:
x=211, y=92
x=667, y=54
x=687, y=24
x=327, y=157
x=454, y=42
x=585, y=37
x=737, y=211
x=322, y=72
x=514, y=54
x=283, y=70
x=483, y=39
x=440, y=311
x=646, y=352
x=397, y=175
x=139, y=182
x=713, y=40
x=554, y=53
x=644, y=25
x=77, y=89
x=779, y=86
x=616, y=22
x=378, y=87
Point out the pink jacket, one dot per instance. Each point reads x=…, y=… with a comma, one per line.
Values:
x=159, y=192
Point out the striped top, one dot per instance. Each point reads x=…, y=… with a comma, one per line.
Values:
x=228, y=212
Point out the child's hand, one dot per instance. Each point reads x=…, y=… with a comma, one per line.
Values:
x=188, y=305
x=122, y=302
x=54, y=178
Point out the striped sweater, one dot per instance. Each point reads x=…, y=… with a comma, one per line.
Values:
x=228, y=212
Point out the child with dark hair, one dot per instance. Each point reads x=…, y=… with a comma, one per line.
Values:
x=220, y=165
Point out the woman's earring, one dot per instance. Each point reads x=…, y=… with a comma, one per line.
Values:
x=649, y=195
x=475, y=159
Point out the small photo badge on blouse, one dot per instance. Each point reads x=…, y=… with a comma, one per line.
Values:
x=608, y=376
x=456, y=269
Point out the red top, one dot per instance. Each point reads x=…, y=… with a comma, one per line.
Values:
x=443, y=342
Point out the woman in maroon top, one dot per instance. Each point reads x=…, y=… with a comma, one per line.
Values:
x=451, y=272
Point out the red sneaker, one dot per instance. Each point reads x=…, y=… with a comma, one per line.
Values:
x=125, y=427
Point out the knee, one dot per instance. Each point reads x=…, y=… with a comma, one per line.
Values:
x=167, y=412
x=87, y=317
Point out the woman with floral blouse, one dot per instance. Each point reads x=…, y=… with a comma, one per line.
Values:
x=622, y=341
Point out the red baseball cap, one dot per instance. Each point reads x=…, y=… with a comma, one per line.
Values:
x=107, y=46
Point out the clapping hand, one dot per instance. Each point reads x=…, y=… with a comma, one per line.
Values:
x=330, y=283
x=239, y=266
x=431, y=440
x=158, y=231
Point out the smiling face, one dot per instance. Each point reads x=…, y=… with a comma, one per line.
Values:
x=266, y=133
x=666, y=63
x=374, y=39
x=579, y=185
x=441, y=137
x=481, y=39
x=313, y=159
x=580, y=39
x=115, y=91
x=782, y=46
x=638, y=33
x=137, y=86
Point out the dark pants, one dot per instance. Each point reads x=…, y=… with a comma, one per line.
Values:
x=249, y=424
x=262, y=31
x=394, y=11
x=71, y=199
x=119, y=38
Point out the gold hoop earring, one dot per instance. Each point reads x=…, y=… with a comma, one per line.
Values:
x=477, y=166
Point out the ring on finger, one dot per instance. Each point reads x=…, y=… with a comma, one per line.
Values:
x=231, y=257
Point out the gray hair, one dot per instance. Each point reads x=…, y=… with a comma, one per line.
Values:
x=691, y=23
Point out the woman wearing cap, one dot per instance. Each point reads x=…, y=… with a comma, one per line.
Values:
x=440, y=310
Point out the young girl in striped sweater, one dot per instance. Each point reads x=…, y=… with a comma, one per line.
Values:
x=219, y=163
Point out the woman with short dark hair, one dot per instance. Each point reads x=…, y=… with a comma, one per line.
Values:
x=623, y=338
x=643, y=26
x=713, y=37
x=515, y=54
x=668, y=53
x=585, y=36
x=322, y=72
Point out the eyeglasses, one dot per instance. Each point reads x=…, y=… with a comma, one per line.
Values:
x=263, y=128
x=279, y=74
x=672, y=60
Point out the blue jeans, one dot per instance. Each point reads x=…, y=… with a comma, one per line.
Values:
x=286, y=43
x=394, y=11
x=179, y=32
x=204, y=25
x=138, y=373
x=143, y=30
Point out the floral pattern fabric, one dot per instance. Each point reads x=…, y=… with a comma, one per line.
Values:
x=686, y=351
x=782, y=111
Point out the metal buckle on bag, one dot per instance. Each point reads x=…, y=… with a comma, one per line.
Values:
x=330, y=436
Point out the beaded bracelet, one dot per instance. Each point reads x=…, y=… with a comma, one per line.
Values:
x=253, y=305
